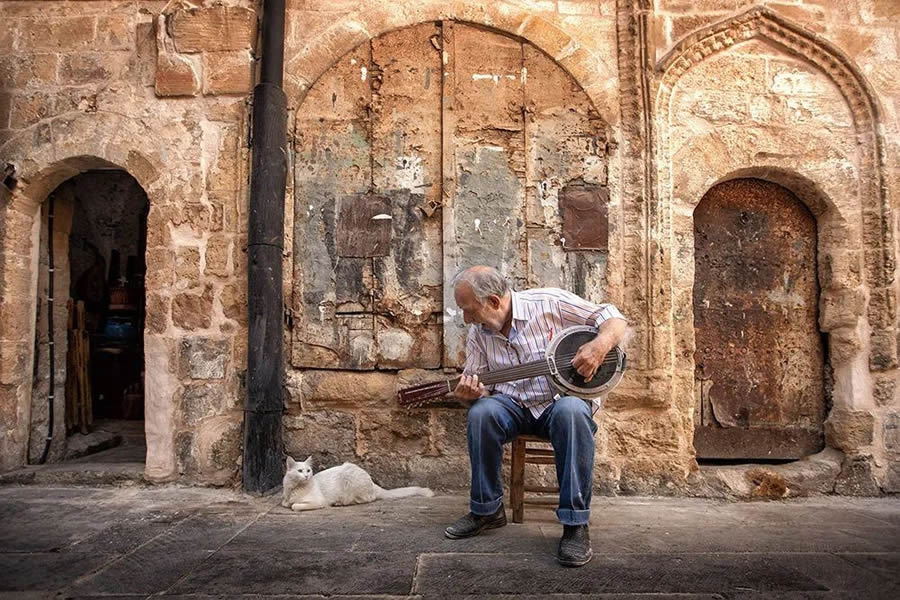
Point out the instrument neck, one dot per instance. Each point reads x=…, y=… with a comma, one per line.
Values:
x=523, y=371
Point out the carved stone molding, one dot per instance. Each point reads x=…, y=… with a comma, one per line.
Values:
x=761, y=22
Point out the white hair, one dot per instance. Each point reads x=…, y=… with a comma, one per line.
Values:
x=485, y=281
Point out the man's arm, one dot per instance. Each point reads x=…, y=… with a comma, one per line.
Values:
x=610, y=333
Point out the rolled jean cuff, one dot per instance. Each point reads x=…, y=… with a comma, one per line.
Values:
x=484, y=508
x=568, y=516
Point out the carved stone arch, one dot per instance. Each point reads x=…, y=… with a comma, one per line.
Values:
x=878, y=235
x=596, y=75
x=44, y=156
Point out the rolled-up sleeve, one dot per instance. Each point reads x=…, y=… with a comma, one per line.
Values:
x=575, y=310
x=604, y=312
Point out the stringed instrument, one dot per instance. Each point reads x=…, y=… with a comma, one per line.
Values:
x=556, y=365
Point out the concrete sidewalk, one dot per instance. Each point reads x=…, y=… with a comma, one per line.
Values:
x=58, y=542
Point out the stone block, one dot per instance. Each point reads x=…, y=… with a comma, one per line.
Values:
x=844, y=344
x=212, y=29
x=884, y=390
x=682, y=26
x=29, y=108
x=28, y=70
x=203, y=358
x=575, y=7
x=218, y=254
x=891, y=483
x=116, y=32
x=187, y=267
x=157, y=320
x=234, y=301
x=841, y=308
x=883, y=355
x=193, y=311
x=400, y=432
x=891, y=432
x=322, y=389
x=160, y=268
x=328, y=436
x=176, y=76
x=202, y=400
x=218, y=441
x=857, y=478
x=82, y=68
x=227, y=72
x=849, y=430
x=57, y=34
x=652, y=434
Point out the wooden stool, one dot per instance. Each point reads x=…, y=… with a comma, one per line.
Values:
x=522, y=453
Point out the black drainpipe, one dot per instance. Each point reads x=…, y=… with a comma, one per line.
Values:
x=50, y=345
x=263, y=446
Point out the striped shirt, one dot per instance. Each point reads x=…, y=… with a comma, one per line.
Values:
x=536, y=315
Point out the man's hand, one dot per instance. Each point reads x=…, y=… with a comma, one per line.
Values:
x=610, y=333
x=588, y=358
x=469, y=389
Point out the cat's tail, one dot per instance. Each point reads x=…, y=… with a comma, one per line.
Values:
x=404, y=492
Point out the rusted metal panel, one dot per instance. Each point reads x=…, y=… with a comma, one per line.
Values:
x=364, y=226
x=585, y=222
x=759, y=355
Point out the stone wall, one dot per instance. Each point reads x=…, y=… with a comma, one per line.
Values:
x=682, y=94
x=160, y=92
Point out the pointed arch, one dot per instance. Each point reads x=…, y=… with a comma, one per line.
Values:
x=762, y=22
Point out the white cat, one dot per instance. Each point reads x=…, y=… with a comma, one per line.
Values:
x=338, y=486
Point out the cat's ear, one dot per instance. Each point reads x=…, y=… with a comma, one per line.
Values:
x=291, y=463
x=308, y=460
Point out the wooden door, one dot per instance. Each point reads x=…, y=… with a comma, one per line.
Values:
x=759, y=361
x=423, y=151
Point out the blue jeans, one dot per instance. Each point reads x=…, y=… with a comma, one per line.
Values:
x=567, y=423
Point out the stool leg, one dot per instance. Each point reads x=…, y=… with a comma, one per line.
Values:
x=517, y=481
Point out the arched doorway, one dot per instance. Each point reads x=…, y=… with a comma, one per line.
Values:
x=97, y=263
x=759, y=361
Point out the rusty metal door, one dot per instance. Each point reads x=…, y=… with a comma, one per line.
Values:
x=759, y=361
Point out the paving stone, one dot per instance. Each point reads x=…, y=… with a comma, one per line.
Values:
x=886, y=566
x=151, y=569
x=44, y=570
x=633, y=573
x=325, y=573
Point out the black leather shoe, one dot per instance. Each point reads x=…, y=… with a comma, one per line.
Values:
x=473, y=524
x=574, y=546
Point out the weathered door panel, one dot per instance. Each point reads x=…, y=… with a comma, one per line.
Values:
x=565, y=142
x=332, y=166
x=414, y=156
x=759, y=356
x=484, y=221
x=406, y=167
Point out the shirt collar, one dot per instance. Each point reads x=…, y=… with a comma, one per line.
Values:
x=518, y=307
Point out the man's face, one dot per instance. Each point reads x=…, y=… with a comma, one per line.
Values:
x=488, y=313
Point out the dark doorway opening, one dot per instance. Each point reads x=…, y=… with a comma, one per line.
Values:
x=105, y=370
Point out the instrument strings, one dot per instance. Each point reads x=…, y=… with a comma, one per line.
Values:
x=524, y=371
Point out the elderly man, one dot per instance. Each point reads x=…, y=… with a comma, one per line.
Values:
x=508, y=328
